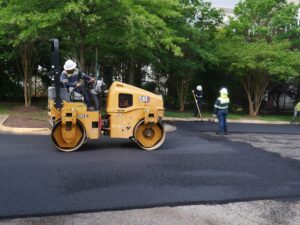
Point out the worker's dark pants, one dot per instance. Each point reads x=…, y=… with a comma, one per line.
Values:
x=198, y=101
x=222, y=115
x=85, y=93
x=295, y=115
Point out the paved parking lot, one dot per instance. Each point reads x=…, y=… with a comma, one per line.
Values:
x=287, y=145
x=247, y=213
x=220, y=161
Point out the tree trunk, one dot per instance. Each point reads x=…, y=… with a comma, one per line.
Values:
x=182, y=89
x=251, y=108
x=25, y=82
x=82, y=56
x=131, y=70
x=277, y=98
x=255, y=84
x=82, y=48
x=138, y=75
x=26, y=57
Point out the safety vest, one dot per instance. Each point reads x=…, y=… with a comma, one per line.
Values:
x=222, y=102
x=297, y=107
x=70, y=80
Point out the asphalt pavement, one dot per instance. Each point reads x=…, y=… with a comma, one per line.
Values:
x=192, y=167
x=241, y=127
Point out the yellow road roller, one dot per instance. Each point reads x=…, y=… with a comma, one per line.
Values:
x=131, y=113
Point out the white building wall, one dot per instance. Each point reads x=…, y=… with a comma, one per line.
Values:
x=229, y=11
x=294, y=1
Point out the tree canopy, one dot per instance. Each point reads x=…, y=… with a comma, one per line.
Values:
x=258, y=47
x=179, y=42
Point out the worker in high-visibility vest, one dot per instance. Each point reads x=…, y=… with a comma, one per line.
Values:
x=296, y=112
x=221, y=111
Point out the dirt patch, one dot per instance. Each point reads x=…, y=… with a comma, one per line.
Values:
x=26, y=121
x=31, y=117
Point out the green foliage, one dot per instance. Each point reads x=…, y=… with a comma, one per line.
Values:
x=183, y=41
x=260, y=45
x=121, y=30
x=198, y=32
x=274, y=59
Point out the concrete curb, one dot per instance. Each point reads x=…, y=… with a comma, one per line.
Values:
x=168, y=127
x=3, y=118
x=229, y=120
x=22, y=131
x=44, y=131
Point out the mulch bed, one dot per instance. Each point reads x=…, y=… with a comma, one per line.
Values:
x=27, y=109
x=17, y=121
x=21, y=117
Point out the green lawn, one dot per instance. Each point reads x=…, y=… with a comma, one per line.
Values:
x=8, y=108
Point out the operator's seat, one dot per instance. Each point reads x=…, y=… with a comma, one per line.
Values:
x=64, y=94
x=75, y=96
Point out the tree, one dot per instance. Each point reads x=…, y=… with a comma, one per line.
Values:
x=257, y=63
x=127, y=32
x=259, y=49
x=22, y=24
x=136, y=30
x=197, y=27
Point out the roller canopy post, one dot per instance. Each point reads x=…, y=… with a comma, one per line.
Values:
x=55, y=68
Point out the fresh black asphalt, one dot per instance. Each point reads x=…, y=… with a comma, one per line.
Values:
x=243, y=127
x=191, y=167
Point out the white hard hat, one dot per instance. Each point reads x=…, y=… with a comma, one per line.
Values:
x=70, y=65
x=199, y=88
x=224, y=91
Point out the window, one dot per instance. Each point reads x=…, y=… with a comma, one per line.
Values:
x=125, y=100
